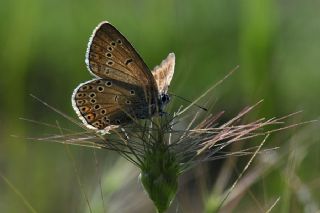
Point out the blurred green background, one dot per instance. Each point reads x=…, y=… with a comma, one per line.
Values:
x=43, y=43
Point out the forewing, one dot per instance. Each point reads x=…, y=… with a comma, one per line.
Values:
x=110, y=55
x=163, y=73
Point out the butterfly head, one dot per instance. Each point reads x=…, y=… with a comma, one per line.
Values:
x=164, y=99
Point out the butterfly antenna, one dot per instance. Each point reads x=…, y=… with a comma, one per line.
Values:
x=182, y=98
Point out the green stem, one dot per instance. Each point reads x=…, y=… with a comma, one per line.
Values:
x=159, y=176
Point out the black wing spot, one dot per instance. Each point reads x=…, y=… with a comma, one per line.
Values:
x=80, y=102
x=109, y=55
x=110, y=63
x=110, y=48
x=128, y=102
x=128, y=61
x=92, y=95
x=119, y=41
x=103, y=111
x=106, y=119
x=98, y=81
x=84, y=88
x=90, y=117
x=100, y=89
x=132, y=92
x=84, y=109
x=113, y=43
x=96, y=124
x=108, y=83
x=118, y=121
x=97, y=106
x=93, y=101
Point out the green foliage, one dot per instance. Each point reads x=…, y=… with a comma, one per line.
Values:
x=276, y=44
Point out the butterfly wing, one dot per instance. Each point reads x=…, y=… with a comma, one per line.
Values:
x=163, y=73
x=125, y=87
x=111, y=55
x=103, y=103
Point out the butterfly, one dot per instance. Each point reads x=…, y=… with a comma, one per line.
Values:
x=123, y=88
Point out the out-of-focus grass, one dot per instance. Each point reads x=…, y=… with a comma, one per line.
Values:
x=257, y=34
x=275, y=43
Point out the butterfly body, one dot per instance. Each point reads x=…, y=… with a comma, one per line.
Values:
x=124, y=88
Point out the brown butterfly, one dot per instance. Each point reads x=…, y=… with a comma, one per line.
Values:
x=124, y=88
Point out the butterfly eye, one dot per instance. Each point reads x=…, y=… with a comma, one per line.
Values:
x=164, y=98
